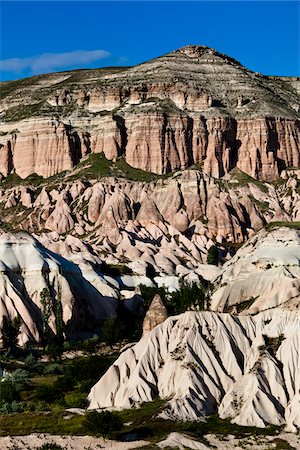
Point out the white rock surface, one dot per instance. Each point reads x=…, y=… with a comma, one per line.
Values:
x=36, y=441
x=65, y=269
x=266, y=268
x=206, y=362
x=181, y=441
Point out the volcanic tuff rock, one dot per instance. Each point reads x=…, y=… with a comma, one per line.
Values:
x=156, y=314
x=191, y=106
x=263, y=274
x=244, y=368
x=167, y=224
x=67, y=271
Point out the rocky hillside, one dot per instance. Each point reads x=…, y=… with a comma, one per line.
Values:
x=164, y=225
x=78, y=296
x=263, y=274
x=191, y=106
x=243, y=366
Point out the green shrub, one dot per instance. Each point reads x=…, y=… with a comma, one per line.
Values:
x=79, y=374
x=54, y=351
x=90, y=345
x=102, y=423
x=213, y=255
x=113, y=330
x=18, y=379
x=10, y=331
x=11, y=408
x=33, y=366
x=148, y=292
x=75, y=399
x=50, y=446
x=53, y=368
x=189, y=296
x=47, y=393
x=8, y=392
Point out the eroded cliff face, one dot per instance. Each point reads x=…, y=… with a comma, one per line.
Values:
x=155, y=142
x=201, y=363
x=192, y=106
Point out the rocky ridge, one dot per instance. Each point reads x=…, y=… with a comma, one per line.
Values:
x=243, y=365
x=191, y=106
x=165, y=225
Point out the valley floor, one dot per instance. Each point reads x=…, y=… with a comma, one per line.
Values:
x=174, y=440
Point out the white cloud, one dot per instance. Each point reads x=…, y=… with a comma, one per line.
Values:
x=48, y=62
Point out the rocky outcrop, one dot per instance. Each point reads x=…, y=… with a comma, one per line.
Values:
x=263, y=274
x=191, y=106
x=66, y=271
x=202, y=363
x=166, y=226
x=156, y=314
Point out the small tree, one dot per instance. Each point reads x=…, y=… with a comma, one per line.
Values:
x=58, y=313
x=113, y=330
x=8, y=393
x=46, y=303
x=10, y=332
x=18, y=379
x=52, y=305
x=213, y=255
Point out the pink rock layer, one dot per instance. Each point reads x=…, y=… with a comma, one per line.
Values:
x=156, y=142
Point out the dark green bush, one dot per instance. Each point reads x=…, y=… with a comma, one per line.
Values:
x=113, y=331
x=33, y=366
x=50, y=446
x=148, y=292
x=10, y=332
x=18, y=379
x=213, y=255
x=189, y=296
x=54, y=351
x=8, y=393
x=102, y=423
x=11, y=408
x=75, y=399
x=53, y=368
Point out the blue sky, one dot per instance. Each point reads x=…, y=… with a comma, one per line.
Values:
x=41, y=36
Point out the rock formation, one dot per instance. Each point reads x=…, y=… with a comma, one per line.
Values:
x=191, y=106
x=263, y=274
x=166, y=226
x=245, y=367
x=86, y=162
x=156, y=314
x=202, y=363
x=66, y=272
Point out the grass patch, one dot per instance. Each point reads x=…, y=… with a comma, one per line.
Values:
x=245, y=304
x=264, y=206
x=244, y=179
x=271, y=225
x=281, y=444
x=14, y=180
x=97, y=166
x=27, y=423
x=22, y=111
x=144, y=424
